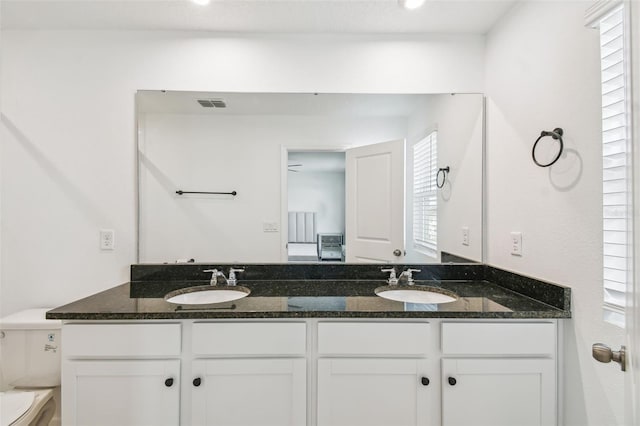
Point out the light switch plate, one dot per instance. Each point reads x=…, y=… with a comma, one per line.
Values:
x=516, y=243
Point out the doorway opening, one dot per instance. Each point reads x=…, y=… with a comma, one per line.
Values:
x=315, y=206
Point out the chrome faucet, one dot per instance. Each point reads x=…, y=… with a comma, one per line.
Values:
x=408, y=275
x=232, y=276
x=217, y=277
x=393, y=279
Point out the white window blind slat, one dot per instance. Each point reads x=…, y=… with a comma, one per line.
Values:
x=614, y=199
x=619, y=250
x=614, y=173
x=615, y=161
x=615, y=237
x=613, y=212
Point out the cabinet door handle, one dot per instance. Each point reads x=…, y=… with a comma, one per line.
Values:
x=452, y=381
x=197, y=381
x=169, y=382
x=425, y=381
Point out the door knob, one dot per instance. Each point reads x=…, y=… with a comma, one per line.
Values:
x=169, y=382
x=425, y=381
x=603, y=353
x=397, y=252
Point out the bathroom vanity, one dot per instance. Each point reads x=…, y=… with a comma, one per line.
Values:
x=314, y=345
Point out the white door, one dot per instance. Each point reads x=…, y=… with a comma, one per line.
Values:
x=498, y=392
x=373, y=392
x=632, y=379
x=374, y=216
x=249, y=392
x=117, y=393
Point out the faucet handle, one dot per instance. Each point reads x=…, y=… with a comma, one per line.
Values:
x=393, y=280
x=409, y=274
x=232, y=271
x=214, y=275
x=232, y=280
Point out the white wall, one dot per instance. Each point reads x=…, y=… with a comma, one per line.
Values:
x=542, y=71
x=69, y=161
x=233, y=152
x=458, y=120
x=321, y=192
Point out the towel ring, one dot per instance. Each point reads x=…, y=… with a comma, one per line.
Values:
x=557, y=135
x=444, y=171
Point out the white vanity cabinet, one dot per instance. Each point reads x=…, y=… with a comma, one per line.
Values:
x=502, y=374
x=374, y=374
x=249, y=374
x=121, y=374
x=315, y=372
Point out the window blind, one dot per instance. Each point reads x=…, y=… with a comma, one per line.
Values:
x=425, y=200
x=616, y=194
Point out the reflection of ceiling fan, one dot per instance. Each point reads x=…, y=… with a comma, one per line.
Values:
x=289, y=167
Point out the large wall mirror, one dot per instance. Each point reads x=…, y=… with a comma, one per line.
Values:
x=310, y=177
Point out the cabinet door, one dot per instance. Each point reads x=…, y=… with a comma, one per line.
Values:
x=373, y=392
x=249, y=392
x=498, y=392
x=140, y=392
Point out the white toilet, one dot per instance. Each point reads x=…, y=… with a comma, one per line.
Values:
x=29, y=369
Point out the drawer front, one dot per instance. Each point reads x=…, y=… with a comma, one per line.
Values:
x=250, y=338
x=121, y=340
x=537, y=339
x=373, y=338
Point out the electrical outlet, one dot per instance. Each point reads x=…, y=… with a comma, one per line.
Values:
x=269, y=226
x=516, y=243
x=465, y=235
x=107, y=239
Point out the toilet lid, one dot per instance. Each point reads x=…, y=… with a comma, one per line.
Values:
x=13, y=405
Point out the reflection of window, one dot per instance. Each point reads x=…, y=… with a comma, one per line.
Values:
x=616, y=165
x=425, y=201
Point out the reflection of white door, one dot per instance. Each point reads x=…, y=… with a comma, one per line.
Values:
x=374, y=217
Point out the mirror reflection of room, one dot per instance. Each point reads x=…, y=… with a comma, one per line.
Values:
x=236, y=177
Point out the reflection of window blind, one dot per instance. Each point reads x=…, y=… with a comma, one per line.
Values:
x=425, y=201
x=616, y=163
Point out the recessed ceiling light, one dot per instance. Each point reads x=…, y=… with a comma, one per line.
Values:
x=201, y=2
x=411, y=4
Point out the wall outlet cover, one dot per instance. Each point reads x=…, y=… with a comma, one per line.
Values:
x=107, y=239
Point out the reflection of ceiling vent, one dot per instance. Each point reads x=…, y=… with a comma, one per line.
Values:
x=212, y=103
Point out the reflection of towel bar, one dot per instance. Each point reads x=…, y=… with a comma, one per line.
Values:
x=180, y=192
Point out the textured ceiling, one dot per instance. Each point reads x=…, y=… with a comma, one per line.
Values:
x=256, y=16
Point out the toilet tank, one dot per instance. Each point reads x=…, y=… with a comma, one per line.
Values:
x=29, y=350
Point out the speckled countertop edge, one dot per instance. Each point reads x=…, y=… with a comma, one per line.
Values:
x=115, y=304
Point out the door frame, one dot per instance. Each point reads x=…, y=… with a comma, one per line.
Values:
x=284, y=187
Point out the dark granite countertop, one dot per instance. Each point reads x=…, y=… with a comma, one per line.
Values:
x=327, y=298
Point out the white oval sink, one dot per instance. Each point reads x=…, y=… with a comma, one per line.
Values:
x=416, y=294
x=206, y=294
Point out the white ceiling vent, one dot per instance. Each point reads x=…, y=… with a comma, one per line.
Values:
x=212, y=103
